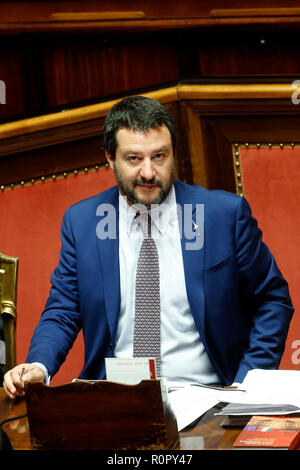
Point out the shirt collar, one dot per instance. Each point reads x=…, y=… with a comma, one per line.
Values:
x=162, y=215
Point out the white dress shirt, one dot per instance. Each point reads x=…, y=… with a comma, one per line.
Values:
x=183, y=357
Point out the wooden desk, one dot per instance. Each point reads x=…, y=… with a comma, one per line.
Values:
x=17, y=431
x=206, y=433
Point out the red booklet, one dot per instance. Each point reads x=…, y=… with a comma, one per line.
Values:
x=262, y=432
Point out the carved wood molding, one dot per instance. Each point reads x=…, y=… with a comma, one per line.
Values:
x=253, y=12
x=73, y=116
x=238, y=91
x=97, y=15
x=167, y=95
x=138, y=25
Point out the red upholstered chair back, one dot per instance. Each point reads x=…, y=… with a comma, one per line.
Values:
x=269, y=179
x=30, y=230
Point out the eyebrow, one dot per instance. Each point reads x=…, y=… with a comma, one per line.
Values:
x=130, y=152
x=135, y=152
x=162, y=149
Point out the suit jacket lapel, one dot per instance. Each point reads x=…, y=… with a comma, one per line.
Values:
x=108, y=249
x=191, y=221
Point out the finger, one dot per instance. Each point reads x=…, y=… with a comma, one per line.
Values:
x=14, y=380
x=17, y=376
x=9, y=394
x=10, y=390
x=30, y=375
x=9, y=386
x=36, y=374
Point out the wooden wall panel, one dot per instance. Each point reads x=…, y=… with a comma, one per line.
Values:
x=11, y=72
x=239, y=53
x=53, y=65
x=77, y=70
x=52, y=160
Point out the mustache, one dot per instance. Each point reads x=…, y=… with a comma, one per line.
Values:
x=142, y=180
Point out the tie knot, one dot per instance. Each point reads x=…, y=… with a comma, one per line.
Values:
x=144, y=219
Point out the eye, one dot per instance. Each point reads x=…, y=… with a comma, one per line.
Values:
x=133, y=159
x=159, y=156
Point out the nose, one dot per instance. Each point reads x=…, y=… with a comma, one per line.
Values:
x=147, y=170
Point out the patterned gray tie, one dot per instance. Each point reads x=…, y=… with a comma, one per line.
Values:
x=146, y=339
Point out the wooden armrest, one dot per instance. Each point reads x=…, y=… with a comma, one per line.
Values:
x=247, y=12
x=97, y=16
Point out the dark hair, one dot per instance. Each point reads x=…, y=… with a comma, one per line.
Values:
x=139, y=114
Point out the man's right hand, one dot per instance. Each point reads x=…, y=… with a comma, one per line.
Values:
x=15, y=379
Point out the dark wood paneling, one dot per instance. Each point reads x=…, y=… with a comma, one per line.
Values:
x=80, y=69
x=11, y=72
x=256, y=53
x=184, y=171
x=49, y=66
x=53, y=160
x=218, y=156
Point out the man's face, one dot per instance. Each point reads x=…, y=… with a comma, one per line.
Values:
x=144, y=165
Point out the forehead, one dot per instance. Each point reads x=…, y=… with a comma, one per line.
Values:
x=152, y=138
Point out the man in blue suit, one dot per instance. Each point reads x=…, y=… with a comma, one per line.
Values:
x=224, y=305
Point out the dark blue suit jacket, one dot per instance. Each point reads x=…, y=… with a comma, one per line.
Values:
x=238, y=297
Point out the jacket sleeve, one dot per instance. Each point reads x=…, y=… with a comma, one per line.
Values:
x=266, y=292
x=61, y=319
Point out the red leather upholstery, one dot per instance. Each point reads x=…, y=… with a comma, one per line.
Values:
x=30, y=230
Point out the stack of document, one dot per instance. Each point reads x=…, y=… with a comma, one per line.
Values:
x=266, y=392
x=263, y=392
x=191, y=401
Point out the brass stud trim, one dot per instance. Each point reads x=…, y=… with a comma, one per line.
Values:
x=237, y=169
x=52, y=177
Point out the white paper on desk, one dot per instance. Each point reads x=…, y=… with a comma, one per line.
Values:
x=270, y=386
x=278, y=389
x=189, y=403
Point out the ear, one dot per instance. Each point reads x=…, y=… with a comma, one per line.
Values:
x=110, y=159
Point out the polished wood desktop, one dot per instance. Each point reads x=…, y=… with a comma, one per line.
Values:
x=206, y=433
